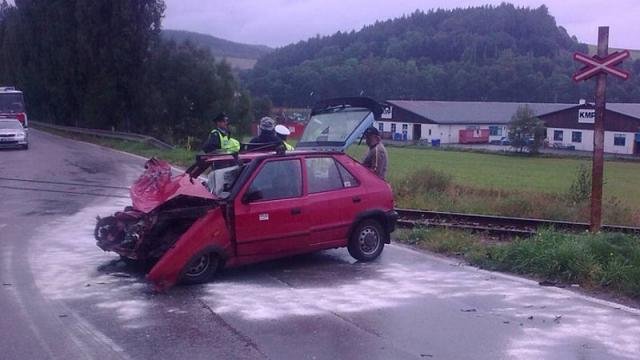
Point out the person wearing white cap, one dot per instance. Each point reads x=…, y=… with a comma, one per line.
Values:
x=282, y=132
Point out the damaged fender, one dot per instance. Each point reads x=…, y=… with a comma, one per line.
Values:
x=208, y=234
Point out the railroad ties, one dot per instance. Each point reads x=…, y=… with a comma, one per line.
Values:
x=496, y=225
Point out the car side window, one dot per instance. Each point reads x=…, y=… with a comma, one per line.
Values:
x=278, y=180
x=322, y=174
x=348, y=180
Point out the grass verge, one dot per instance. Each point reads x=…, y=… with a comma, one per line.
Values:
x=594, y=261
x=177, y=156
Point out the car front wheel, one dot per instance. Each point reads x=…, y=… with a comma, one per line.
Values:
x=201, y=269
x=367, y=241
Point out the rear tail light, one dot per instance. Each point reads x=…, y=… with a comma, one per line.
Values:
x=21, y=117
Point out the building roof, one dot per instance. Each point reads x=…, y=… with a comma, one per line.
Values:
x=629, y=109
x=473, y=112
x=481, y=112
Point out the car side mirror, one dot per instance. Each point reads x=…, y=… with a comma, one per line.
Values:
x=252, y=196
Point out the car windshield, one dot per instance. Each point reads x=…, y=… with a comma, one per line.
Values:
x=10, y=125
x=11, y=103
x=333, y=126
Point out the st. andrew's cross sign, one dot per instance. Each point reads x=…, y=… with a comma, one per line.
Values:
x=596, y=65
x=602, y=64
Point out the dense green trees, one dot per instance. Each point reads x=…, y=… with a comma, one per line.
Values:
x=102, y=64
x=500, y=53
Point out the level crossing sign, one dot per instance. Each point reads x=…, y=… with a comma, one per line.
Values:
x=602, y=64
x=596, y=65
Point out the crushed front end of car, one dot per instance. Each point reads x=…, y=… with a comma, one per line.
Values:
x=163, y=209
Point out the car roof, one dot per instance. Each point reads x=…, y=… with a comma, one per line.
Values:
x=10, y=121
x=248, y=156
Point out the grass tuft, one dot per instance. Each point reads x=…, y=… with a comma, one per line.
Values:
x=609, y=261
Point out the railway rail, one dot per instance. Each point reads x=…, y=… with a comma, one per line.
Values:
x=408, y=218
x=496, y=225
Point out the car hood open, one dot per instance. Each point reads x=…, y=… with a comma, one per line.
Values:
x=156, y=186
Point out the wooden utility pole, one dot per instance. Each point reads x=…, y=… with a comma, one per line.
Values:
x=599, y=65
x=597, y=169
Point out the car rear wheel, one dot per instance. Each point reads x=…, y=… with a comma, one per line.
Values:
x=201, y=269
x=367, y=240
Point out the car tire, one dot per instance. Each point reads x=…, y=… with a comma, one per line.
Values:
x=201, y=269
x=367, y=240
x=25, y=147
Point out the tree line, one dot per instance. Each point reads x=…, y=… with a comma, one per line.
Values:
x=103, y=64
x=488, y=53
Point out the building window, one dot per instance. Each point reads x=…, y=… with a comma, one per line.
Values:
x=557, y=135
x=393, y=128
x=429, y=132
x=576, y=136
x=495, y=131
x=405, y=127
x=381, y=126
x=619, y=139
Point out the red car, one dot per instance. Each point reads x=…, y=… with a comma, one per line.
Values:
x=257, y=206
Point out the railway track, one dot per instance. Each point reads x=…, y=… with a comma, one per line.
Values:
x=408, y=218
x=496, y=225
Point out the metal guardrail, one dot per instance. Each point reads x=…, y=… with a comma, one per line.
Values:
x=107, y=134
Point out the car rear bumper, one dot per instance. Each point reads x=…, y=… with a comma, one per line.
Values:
x=13, y=143
x=391, y=218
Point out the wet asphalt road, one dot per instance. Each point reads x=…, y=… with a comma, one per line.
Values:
x=63, y=298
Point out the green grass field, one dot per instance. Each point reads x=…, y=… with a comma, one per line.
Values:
x=508, y=172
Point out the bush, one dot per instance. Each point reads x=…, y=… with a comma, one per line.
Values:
x=580, y=189
x=423, y=181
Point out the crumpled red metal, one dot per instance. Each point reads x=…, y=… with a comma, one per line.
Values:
x=156, y=186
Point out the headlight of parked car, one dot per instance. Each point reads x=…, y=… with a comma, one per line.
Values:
x=20, y=135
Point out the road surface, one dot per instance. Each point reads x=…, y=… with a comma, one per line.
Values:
x=61, y=297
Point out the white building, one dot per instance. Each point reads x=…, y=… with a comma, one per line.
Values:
x=451, y=122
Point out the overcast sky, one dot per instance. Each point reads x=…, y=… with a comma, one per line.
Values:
x=281, y=22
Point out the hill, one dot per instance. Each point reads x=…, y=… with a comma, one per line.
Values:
x=240, y=56
x=635, y=54
x=488, y=53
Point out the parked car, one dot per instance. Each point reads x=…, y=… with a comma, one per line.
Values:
x=257, y=206
x=13, y=134
x=12, y=105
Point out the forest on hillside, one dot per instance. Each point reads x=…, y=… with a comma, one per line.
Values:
x=103, y=64
x=218, y=47
x=488, y=53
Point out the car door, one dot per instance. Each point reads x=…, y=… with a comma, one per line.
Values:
x=333, y=199
x=270, y=212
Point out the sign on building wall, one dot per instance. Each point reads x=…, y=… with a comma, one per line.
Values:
x=387, y=112
x=586, y=116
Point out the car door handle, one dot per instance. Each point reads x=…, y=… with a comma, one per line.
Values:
x=296, y=211
x=356, y=199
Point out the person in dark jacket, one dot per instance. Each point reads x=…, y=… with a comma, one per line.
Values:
x=267, y=139
x=376, y=158
x=220, y=137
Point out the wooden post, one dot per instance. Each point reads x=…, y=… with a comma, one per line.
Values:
x=597, y=170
